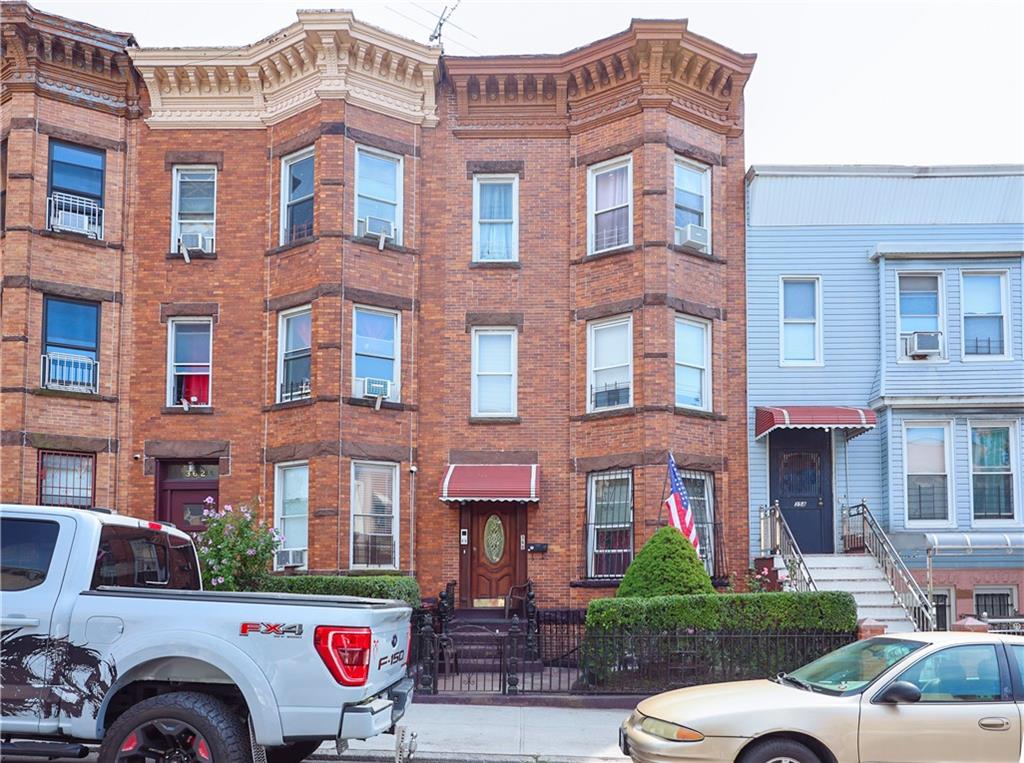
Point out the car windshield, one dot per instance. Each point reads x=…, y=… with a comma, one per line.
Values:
x=849, y=669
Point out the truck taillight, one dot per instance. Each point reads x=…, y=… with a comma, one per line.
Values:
x=345, y=652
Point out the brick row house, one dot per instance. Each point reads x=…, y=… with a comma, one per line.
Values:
x=443, y=316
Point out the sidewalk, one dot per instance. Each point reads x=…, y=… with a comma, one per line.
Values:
x=497, y=734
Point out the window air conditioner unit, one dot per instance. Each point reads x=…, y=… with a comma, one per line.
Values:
x=379, y=228
x=378, y=388
x=75, y=222
x=925, y=343
x=291, y=557
x=692, y=237
x=194, y=243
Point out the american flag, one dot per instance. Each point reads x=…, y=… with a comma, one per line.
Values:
x=678, y=504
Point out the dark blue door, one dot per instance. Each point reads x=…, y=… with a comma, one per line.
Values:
x=801, y=481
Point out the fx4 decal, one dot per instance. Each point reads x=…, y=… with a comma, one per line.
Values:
x=293, y=630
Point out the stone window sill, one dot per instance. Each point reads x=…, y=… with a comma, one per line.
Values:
x=698, y=414
x=292, y=245
x=495, y=265
x=595, y=583
x=495, y=420
x=195, y=410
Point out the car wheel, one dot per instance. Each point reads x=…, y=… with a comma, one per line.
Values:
x=779, y=751
x=181, y=727
x=292, y=753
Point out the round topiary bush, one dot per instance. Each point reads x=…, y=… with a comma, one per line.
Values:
x=666, y=565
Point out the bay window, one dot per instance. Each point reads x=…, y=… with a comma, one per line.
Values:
x=692, y=198
x=610, y=205
x=297, y=187
x=693, y=363
x=291, y=514
x=374, y=514
x=74, y=201
x=610, y=363
x=376, y=347
x=71, y=333
x=378, y=194
x=609, y=523
x=294, y=353
x=66, y=479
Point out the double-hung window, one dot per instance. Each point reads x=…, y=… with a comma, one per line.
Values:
x=297, y=196
x=376, y=360
x=294, y=353
x=374, y=514
x=920, y=313
x=610, y=363
x=291, y=513
x=378, y=194
x=195, y=206
x=610, y=205
x=71, y=346
x=609, y=523
x=494, y=372
x=984, y=314
x=801, y=334
x=927, y=472
x=66, y=479
x=692, y=198
x=693, y=363
x=495, y=218
x=700, y=491
x=190, y=346
x=75, y=200
x=993, y=467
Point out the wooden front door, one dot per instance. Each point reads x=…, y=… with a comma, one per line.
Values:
x=495, y=555
x=801, y=481
x=182, y=490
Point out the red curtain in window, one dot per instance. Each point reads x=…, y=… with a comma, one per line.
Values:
x=195, y=388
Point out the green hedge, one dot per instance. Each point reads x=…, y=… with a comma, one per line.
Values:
x=666, y=565
x=829, y=611
x=369, y=586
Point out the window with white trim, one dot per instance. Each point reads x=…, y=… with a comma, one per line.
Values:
x=700, y=490
x=374, y=514
x=378, y=194
x=495, y=218
x=610, y=205
x=993, y=468
x=984, y=314
x=692, y=200
x=297, y=186
x=801, y=338
x=920, y=309
x=494, y=372
x=609, y=523
x=610, y=363
x=189, y=355
x=927, y=472
x=291, y=513
x=376, y=352
x=693, y=362
x=995, y=601
x=294, y=353
x=194, y=221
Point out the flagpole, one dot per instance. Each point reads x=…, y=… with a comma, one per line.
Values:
x=664, y=487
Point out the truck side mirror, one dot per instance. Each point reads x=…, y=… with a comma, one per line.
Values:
x=898, y=693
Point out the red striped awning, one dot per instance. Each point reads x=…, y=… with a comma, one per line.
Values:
x=490, y=482
x=855, y=420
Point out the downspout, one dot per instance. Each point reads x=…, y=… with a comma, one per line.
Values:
x=881, y=326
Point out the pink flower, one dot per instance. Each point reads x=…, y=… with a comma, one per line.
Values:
x=209, y=499
x=227, y=507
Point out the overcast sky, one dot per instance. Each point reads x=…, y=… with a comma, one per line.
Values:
x=835, y=82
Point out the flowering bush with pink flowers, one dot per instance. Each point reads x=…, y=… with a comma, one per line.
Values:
x=760, y=580
x=236, y=549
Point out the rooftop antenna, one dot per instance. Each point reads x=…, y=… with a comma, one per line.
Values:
x=446, y=14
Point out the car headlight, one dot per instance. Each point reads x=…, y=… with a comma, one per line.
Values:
x=671, y=731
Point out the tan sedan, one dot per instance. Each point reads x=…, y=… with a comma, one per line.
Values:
x=911, y=698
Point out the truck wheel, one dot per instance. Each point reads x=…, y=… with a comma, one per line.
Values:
x=779, y=751
x=292, y=753
x=181, y=727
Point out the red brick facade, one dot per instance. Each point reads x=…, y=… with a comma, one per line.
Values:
x=654, y=93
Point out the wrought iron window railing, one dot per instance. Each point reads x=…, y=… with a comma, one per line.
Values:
x=69, y=372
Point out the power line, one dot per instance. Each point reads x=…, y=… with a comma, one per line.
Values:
x=432, y=30
x=450, y=23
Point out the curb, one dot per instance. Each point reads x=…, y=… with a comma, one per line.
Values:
x=386, y=756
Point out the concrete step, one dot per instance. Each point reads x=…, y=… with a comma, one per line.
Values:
x=854, y=586
x=883, y=613
x=846, y=573
x=840, y=560
x=874, y=598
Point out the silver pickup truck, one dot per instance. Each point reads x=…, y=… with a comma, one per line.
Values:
x=108, y=636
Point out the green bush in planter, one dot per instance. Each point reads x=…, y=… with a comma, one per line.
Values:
x=369, y=586
x=667, y=564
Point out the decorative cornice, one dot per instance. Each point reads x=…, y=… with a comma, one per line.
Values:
x=325, y=54
x=653, y=64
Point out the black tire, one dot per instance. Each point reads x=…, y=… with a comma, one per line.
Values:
x=772, y=750
x=292, y=753
x=224, y=731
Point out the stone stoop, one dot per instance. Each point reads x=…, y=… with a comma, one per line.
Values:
x=860, y=575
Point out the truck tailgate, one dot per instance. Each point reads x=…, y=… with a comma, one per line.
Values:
x=389, y=653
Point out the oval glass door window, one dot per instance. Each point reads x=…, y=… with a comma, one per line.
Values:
x=494, y=539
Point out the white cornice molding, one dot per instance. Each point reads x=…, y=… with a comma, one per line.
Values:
x=325, y=54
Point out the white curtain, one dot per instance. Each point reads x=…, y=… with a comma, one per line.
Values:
x=495, y=221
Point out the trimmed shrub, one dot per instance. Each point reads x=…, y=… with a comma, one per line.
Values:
x=666, y=565
x=819, y=611
x=368, y=586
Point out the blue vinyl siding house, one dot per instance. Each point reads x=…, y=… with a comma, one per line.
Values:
x=886, y=365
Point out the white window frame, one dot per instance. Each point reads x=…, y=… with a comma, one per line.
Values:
x=983, y=589
x=592, y=327
x=282, y=319
x=1004, y=300
x=175, y=199
x=496, y=179
x=399, y=190
x=279, y=507
x=286, y=163
x=172, y=323
x=1015, y=476
x=947, y=441
x=706, y=388
x=707, y=185
x=592, y=478
x=592, y=172
x=818, y=322
x=395, y=514
x=477, y=332
x=396, y=384
x=902, y=338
